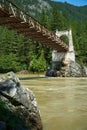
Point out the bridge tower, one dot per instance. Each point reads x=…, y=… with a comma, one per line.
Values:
x=60, y=59
x=62, y=56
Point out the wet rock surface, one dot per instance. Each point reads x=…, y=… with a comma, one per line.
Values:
x=19, y=104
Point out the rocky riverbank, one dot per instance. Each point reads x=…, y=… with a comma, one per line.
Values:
x=73, y=69
x=18, y=106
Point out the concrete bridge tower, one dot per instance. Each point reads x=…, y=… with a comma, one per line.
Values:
x=60, y=59
x=61, y=56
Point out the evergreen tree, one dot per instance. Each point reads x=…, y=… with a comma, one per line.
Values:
x=57, y=19
x=43, y=18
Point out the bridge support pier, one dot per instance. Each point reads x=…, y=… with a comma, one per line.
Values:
x=57, y=64
x=57, y=59
x=62, y=59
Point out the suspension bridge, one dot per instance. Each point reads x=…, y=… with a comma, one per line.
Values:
x=14, y=18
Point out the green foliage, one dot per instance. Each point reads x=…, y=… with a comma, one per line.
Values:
x=72, y=12
x=18, y=53
x=58, y=21
x=9, y=63
x=34, y=65
x=38, y=65
x=41, y=63
x=65, y=39
x=43, y=18
x=80, y=41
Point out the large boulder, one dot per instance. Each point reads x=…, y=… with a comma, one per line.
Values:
x=75, y=70
x=19, y=104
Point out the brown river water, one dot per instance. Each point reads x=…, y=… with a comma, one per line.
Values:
x=62, y=102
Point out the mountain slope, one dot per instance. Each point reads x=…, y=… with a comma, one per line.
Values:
x=34, y=8
x=73, y=12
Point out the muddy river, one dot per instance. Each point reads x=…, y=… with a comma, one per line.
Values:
x=62, y=102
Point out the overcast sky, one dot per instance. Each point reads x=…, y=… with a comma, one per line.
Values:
x=74, y=2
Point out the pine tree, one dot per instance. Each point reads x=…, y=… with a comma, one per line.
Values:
x=57, y=19
x=43, y=18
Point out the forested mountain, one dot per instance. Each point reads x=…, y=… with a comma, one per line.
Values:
x=73, y=12
x=34, y=7
x=18, y=52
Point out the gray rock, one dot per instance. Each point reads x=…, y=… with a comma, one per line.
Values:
x=21, y=101
x=85, y=70
x=75, y=70
x=70, y=70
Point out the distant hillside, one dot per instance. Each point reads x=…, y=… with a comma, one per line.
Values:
x=73, y=12
x=34, y=7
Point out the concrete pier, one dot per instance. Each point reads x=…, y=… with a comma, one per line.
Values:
x=60, y=60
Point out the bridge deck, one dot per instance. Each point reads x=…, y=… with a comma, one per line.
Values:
x=16, y=19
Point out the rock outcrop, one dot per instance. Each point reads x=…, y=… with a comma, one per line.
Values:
x=67, y=70
x=18, y=106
